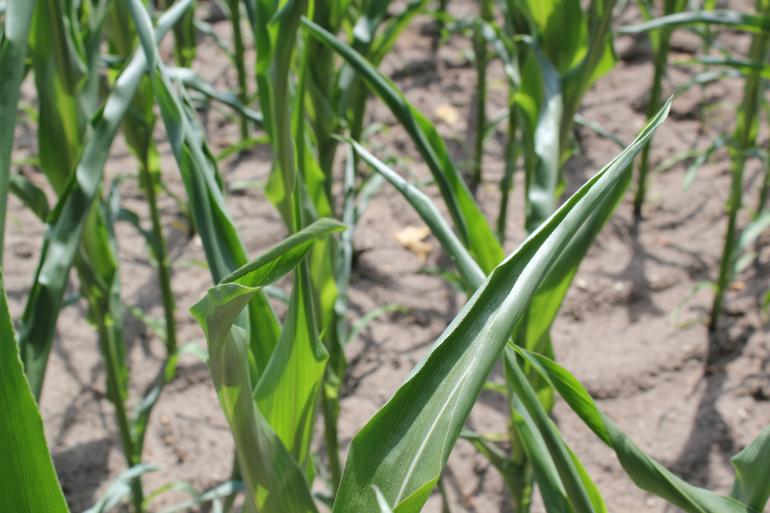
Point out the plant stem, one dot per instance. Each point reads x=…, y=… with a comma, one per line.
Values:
x=184, y=38
x=743, y=138
x=506, y=184
x=441, y=10
x=240, y=62
x=330, y=406
x=762, y=202
x=518, y=478
x=482, y=61
x=147, y=173
x=444, y=496
x=763, y=191
x=661, y=62
x=110, y=341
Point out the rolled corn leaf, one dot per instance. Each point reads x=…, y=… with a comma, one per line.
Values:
x=27, y=477
x=404, y=447
x=540, y=100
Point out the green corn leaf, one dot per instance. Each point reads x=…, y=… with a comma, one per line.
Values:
x=382, y=503
x=543, y=467
x=745, y=66
x=68, y=219
x=185, y=42
x=404, y=447
x=752, y=481
x=647, y=473
x=30, y=194
x=287, y=392
x=274, y=479
x=472, y=226
x=423, y=205
x=13, y=49
x=65, y=51
x=27, y=477
x=547, y=302
x=724, y=17
x=98, y=270
x=599, y=57
x=119, y=488
x=271, y=264
x=279, y=27
x=562, y=28
x=577, y=494
x=192, y=80
x=384, y=41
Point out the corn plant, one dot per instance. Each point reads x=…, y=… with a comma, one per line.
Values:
x=480, y=50
x=480, y=241
x=273, y=376
x=291, y=212
x=403, y=448
x=239, y=59
x=138, y=128
x=571, y=48
x=660, y=42
x=305, y=107
x=744, y=135
x=79, y=231
x=396, y=459
x=185, y=46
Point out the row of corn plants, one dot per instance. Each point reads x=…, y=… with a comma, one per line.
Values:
x=397, y=457
x=316, y=66
x=742, y=144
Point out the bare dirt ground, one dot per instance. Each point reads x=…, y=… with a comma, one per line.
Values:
x=690, y=399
